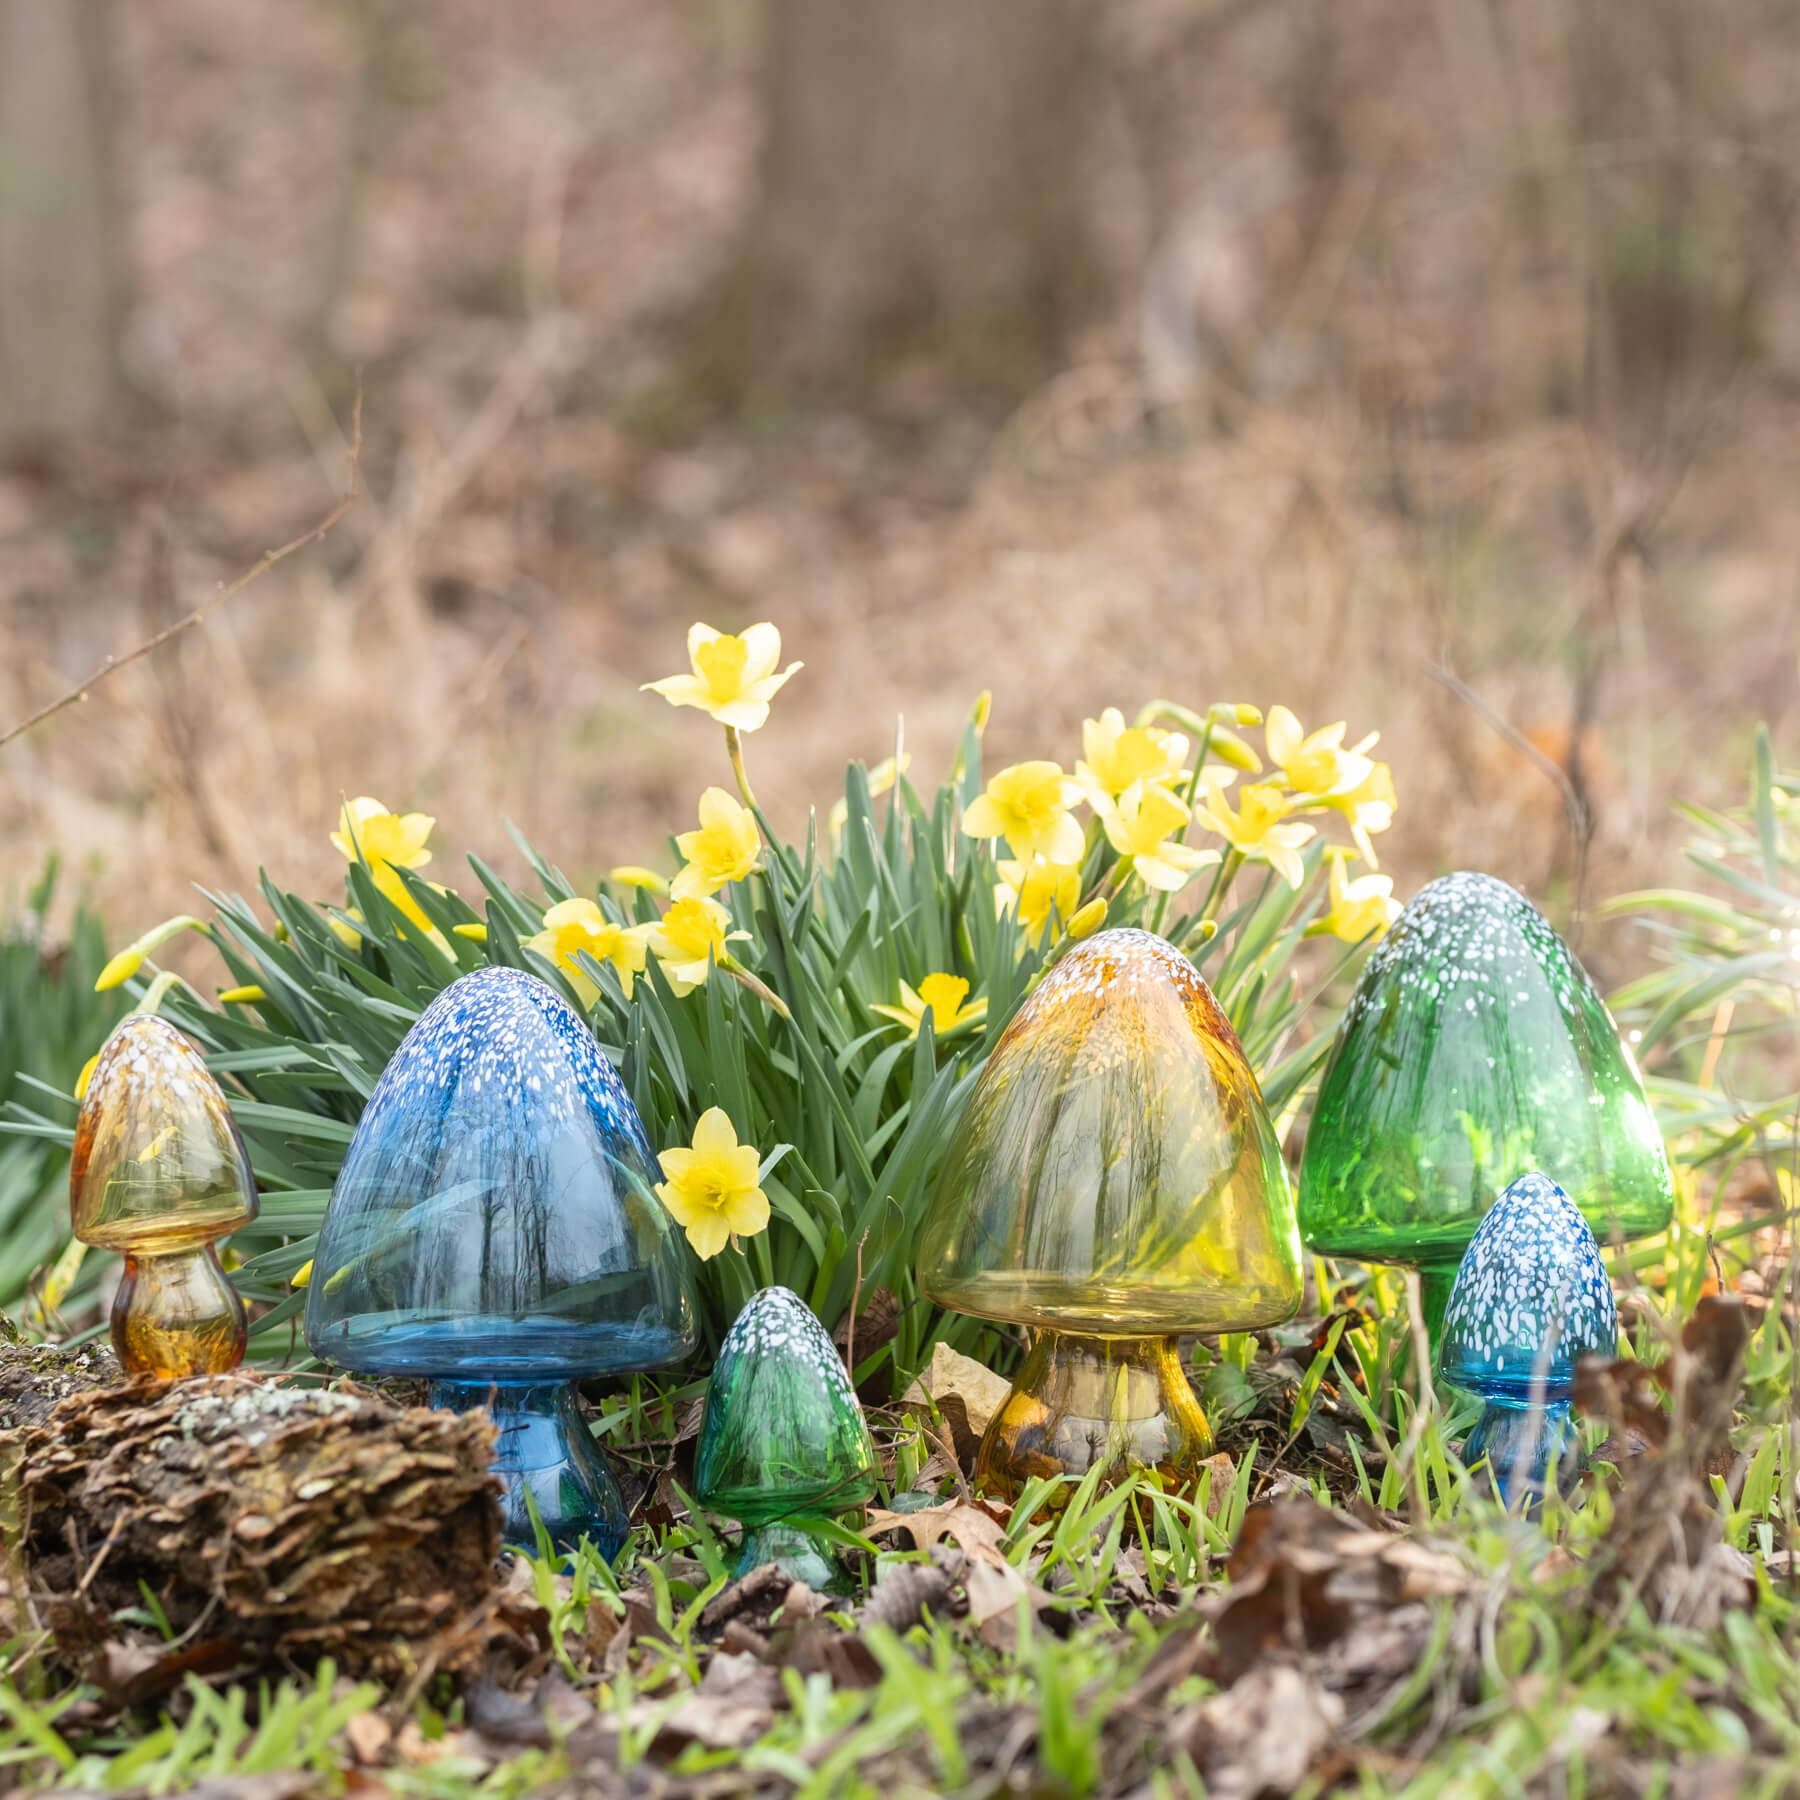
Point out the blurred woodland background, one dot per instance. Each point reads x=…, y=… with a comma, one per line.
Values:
x=1433, y=364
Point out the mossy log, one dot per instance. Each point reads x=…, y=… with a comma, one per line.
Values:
x=288, y=1522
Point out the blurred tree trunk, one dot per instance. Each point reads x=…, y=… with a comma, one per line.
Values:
x=923, y=195
x=58, y=299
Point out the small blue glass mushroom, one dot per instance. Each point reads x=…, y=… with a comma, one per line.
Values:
x=494, y=1230
x=1531, y=1299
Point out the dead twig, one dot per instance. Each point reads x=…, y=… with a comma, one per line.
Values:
x=201, y=613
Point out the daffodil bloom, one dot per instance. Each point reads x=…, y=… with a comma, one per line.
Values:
x=1257, y=830
x=942, y=997
x=368, y=832
x=1369, y=807
x=881, y=778
x=1114, y=756
x=722, y=851
x=475, y=933
x=1028, y=805
x=689, y=939
x=572, y=926
x=1141, y=824
x=711, y=1190
x=128, y=961
x=86, y=1075
x=1362, y=908
x=1089, y=920
x=383, y=842
x=302, y=1276
x=1317, y=765
x=1038, y=895
x=633, y=875
x=733, y=677
x=242, y=996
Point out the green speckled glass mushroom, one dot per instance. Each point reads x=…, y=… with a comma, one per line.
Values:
x=783, y=1439
x=1473, y=1050
x=1114, y=1182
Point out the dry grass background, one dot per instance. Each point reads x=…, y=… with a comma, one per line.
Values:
x=1465, y=338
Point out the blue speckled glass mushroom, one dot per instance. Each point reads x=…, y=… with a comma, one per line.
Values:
x=784, y=1437
x=1531, y=1299
x=493, y=1229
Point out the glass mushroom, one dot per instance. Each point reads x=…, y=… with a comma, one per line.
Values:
x=1530, y=1300
x=1473, y=1048
x=1114, y=1181
x=783, y=1438
x=159, y=1173
x=493, y=1229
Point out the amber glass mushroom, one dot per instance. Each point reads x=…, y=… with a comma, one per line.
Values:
x=1115, y=1182
x=159, y=1174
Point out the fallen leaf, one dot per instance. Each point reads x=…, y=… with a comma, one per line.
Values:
x=369, y=1735
x=1263, y=1736
x=981, y=1391
x=971, y=1525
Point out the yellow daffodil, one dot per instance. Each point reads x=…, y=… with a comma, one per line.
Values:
x=1369, y=807
x=733, y=677
x=572, y=926
x=722, y=851
x=1028, y=805
x=128, y=961
x=346, y=934
x=1039, y=895
x=631, y=875
x=688, y=939
x=383, y=841
x=86, y=1075
x=1257, y=829
x=1141, y=824
x=475, y=933
x=368, y=832
x=242, y=996
x=711, y=1189
x=1317, y=765
x=942, y=997
x=302, y=1276
x=1362, y=908
x=1089, y=920
x=881, y=778
x=1114, y=756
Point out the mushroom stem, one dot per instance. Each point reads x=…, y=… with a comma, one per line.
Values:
x=1436, y=1280
x=176, y=1313
x=548, y=1463
x=1078, y=1402
x=1521, y=1443
x=797, y=1552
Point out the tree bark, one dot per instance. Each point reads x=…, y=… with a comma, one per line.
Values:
x=922, y=195
x=294, y=1522
x=58, y=287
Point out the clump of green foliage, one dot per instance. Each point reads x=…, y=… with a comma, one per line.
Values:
x=51, y=1020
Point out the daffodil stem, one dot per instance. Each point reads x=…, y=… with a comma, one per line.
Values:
x=734, y=748
x=751, y=984
x=1193, y=788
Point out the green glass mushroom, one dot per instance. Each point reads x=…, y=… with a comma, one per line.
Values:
x=783, y=1439
x=1473, y=1051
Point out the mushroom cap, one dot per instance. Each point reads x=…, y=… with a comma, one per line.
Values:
x=1473, y=1049
x=1531, y=1299
x=494, y=1217
x=1116, y=1172
x=158, y=1164
x=784, y=1432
